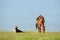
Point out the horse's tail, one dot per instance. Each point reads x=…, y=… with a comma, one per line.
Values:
x=36, y=26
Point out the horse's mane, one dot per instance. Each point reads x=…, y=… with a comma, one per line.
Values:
x=40, y=17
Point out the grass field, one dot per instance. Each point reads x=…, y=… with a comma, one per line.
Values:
x=29, y=36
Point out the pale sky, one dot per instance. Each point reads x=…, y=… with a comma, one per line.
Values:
x=23, y=13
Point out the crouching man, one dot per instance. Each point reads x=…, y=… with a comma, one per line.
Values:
x=16, y=29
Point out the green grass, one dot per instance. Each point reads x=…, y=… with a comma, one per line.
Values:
x=29, y=36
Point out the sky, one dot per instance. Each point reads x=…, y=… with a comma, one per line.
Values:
x=23, y=13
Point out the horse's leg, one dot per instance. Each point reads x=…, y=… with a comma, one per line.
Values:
x=39, y=29
x=43, y=28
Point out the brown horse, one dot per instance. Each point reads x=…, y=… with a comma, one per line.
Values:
x=40, y=23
